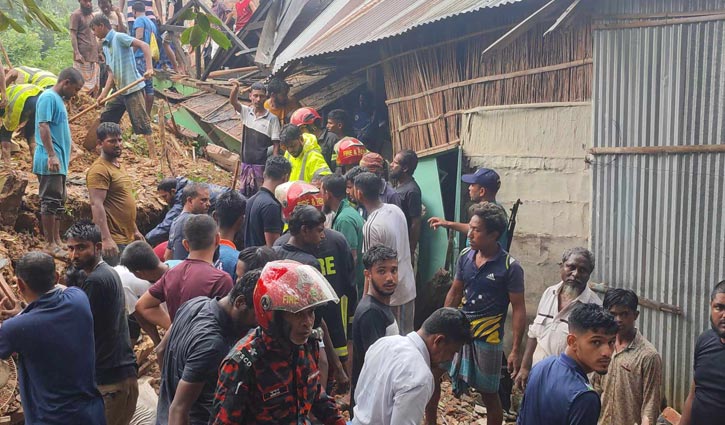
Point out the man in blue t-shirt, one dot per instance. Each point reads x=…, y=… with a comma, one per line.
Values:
x=229, y=215
x=143, y=27
x=53, y=337
x=52, y=154
x=559, y=391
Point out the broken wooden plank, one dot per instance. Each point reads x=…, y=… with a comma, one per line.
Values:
x=222, y=157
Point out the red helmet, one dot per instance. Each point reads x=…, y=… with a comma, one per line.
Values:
x=286, y=285
x=295, y=193
x=304, y=116
x=349, y=151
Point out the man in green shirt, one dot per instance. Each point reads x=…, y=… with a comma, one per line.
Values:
x=347, y=221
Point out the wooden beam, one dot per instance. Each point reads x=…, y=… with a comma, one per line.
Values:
x=438, y=149
x=265, y=54
x=179, y=12
x=172, y=28
x=489, y=78
x=223, y=72
x=521, y=28
x=658, y=23
x=602, y=288
x=654, y=150
x=245, y=52
x=663, y=15
x=254, y=26
x=563, y=17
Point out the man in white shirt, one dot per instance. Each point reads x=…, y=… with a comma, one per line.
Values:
x=547, y=335
x=386, y=225
x=396, y=381
x=138, y=270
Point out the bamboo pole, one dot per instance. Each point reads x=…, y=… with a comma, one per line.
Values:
x=224, y=72
x=490, y=78
x=602, y=288
x=652, y=150
x=5, y=55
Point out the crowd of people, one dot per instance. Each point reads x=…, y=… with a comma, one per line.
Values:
x=265, y=302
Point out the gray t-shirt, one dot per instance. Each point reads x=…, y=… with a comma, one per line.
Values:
x=200, y=338
x=387, y=226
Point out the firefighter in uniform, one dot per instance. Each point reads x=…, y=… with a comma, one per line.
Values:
x=271, y=375
x=347, y=153
x=301, y=147
x=19, y=112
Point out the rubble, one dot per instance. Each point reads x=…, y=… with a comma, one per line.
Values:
x=20, y=210
x=12, y=189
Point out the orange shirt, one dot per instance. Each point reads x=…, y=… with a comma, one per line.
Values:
x=283, y=113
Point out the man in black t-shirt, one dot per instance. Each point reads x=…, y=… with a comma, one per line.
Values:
x=401, y=170
x=373, y=317
x=336, y=264
x=306, y=233
x=707, y=393
x=115, y=361
x=264, y=212
x=204, y=330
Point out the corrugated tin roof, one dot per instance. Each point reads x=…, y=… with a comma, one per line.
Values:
x=349, y=23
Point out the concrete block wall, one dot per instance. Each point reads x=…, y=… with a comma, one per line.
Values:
x=539, y=152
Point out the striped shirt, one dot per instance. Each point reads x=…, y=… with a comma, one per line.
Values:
x=149, y=12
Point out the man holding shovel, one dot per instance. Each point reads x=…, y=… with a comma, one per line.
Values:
x=118, y=50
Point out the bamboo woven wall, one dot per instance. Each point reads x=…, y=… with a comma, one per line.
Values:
x=429, y=88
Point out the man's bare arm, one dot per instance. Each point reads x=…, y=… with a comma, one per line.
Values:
x=149, y=307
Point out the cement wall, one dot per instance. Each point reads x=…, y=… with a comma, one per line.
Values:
x=540, y=152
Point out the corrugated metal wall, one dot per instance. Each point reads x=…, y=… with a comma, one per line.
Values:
x=657, y=220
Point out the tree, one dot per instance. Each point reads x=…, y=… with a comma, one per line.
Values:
x=27, y=10
x=202, y=30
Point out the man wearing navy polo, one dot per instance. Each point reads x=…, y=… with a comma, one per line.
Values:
x=489, y=279
x=53, y=337
x=559, y=391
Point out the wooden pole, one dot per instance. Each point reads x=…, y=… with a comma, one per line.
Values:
x=652, y=150
x=5, y=54
x=236, y=173
x=602, y=288
x=162, y=137
x=113, y=95
x=223, y=72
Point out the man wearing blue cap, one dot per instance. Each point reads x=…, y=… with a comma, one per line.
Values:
x=483, y=185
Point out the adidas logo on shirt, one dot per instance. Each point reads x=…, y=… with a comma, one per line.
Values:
x=491, y=277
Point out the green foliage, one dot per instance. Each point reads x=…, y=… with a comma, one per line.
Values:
x=23, y=49
x=11, y=11
x=202, y=30
x=39, y=48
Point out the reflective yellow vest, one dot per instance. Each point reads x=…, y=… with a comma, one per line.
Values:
x=309, y=161
x=17, y=95
x=28, y=75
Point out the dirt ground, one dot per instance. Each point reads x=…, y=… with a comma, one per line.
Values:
x=176, y=159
